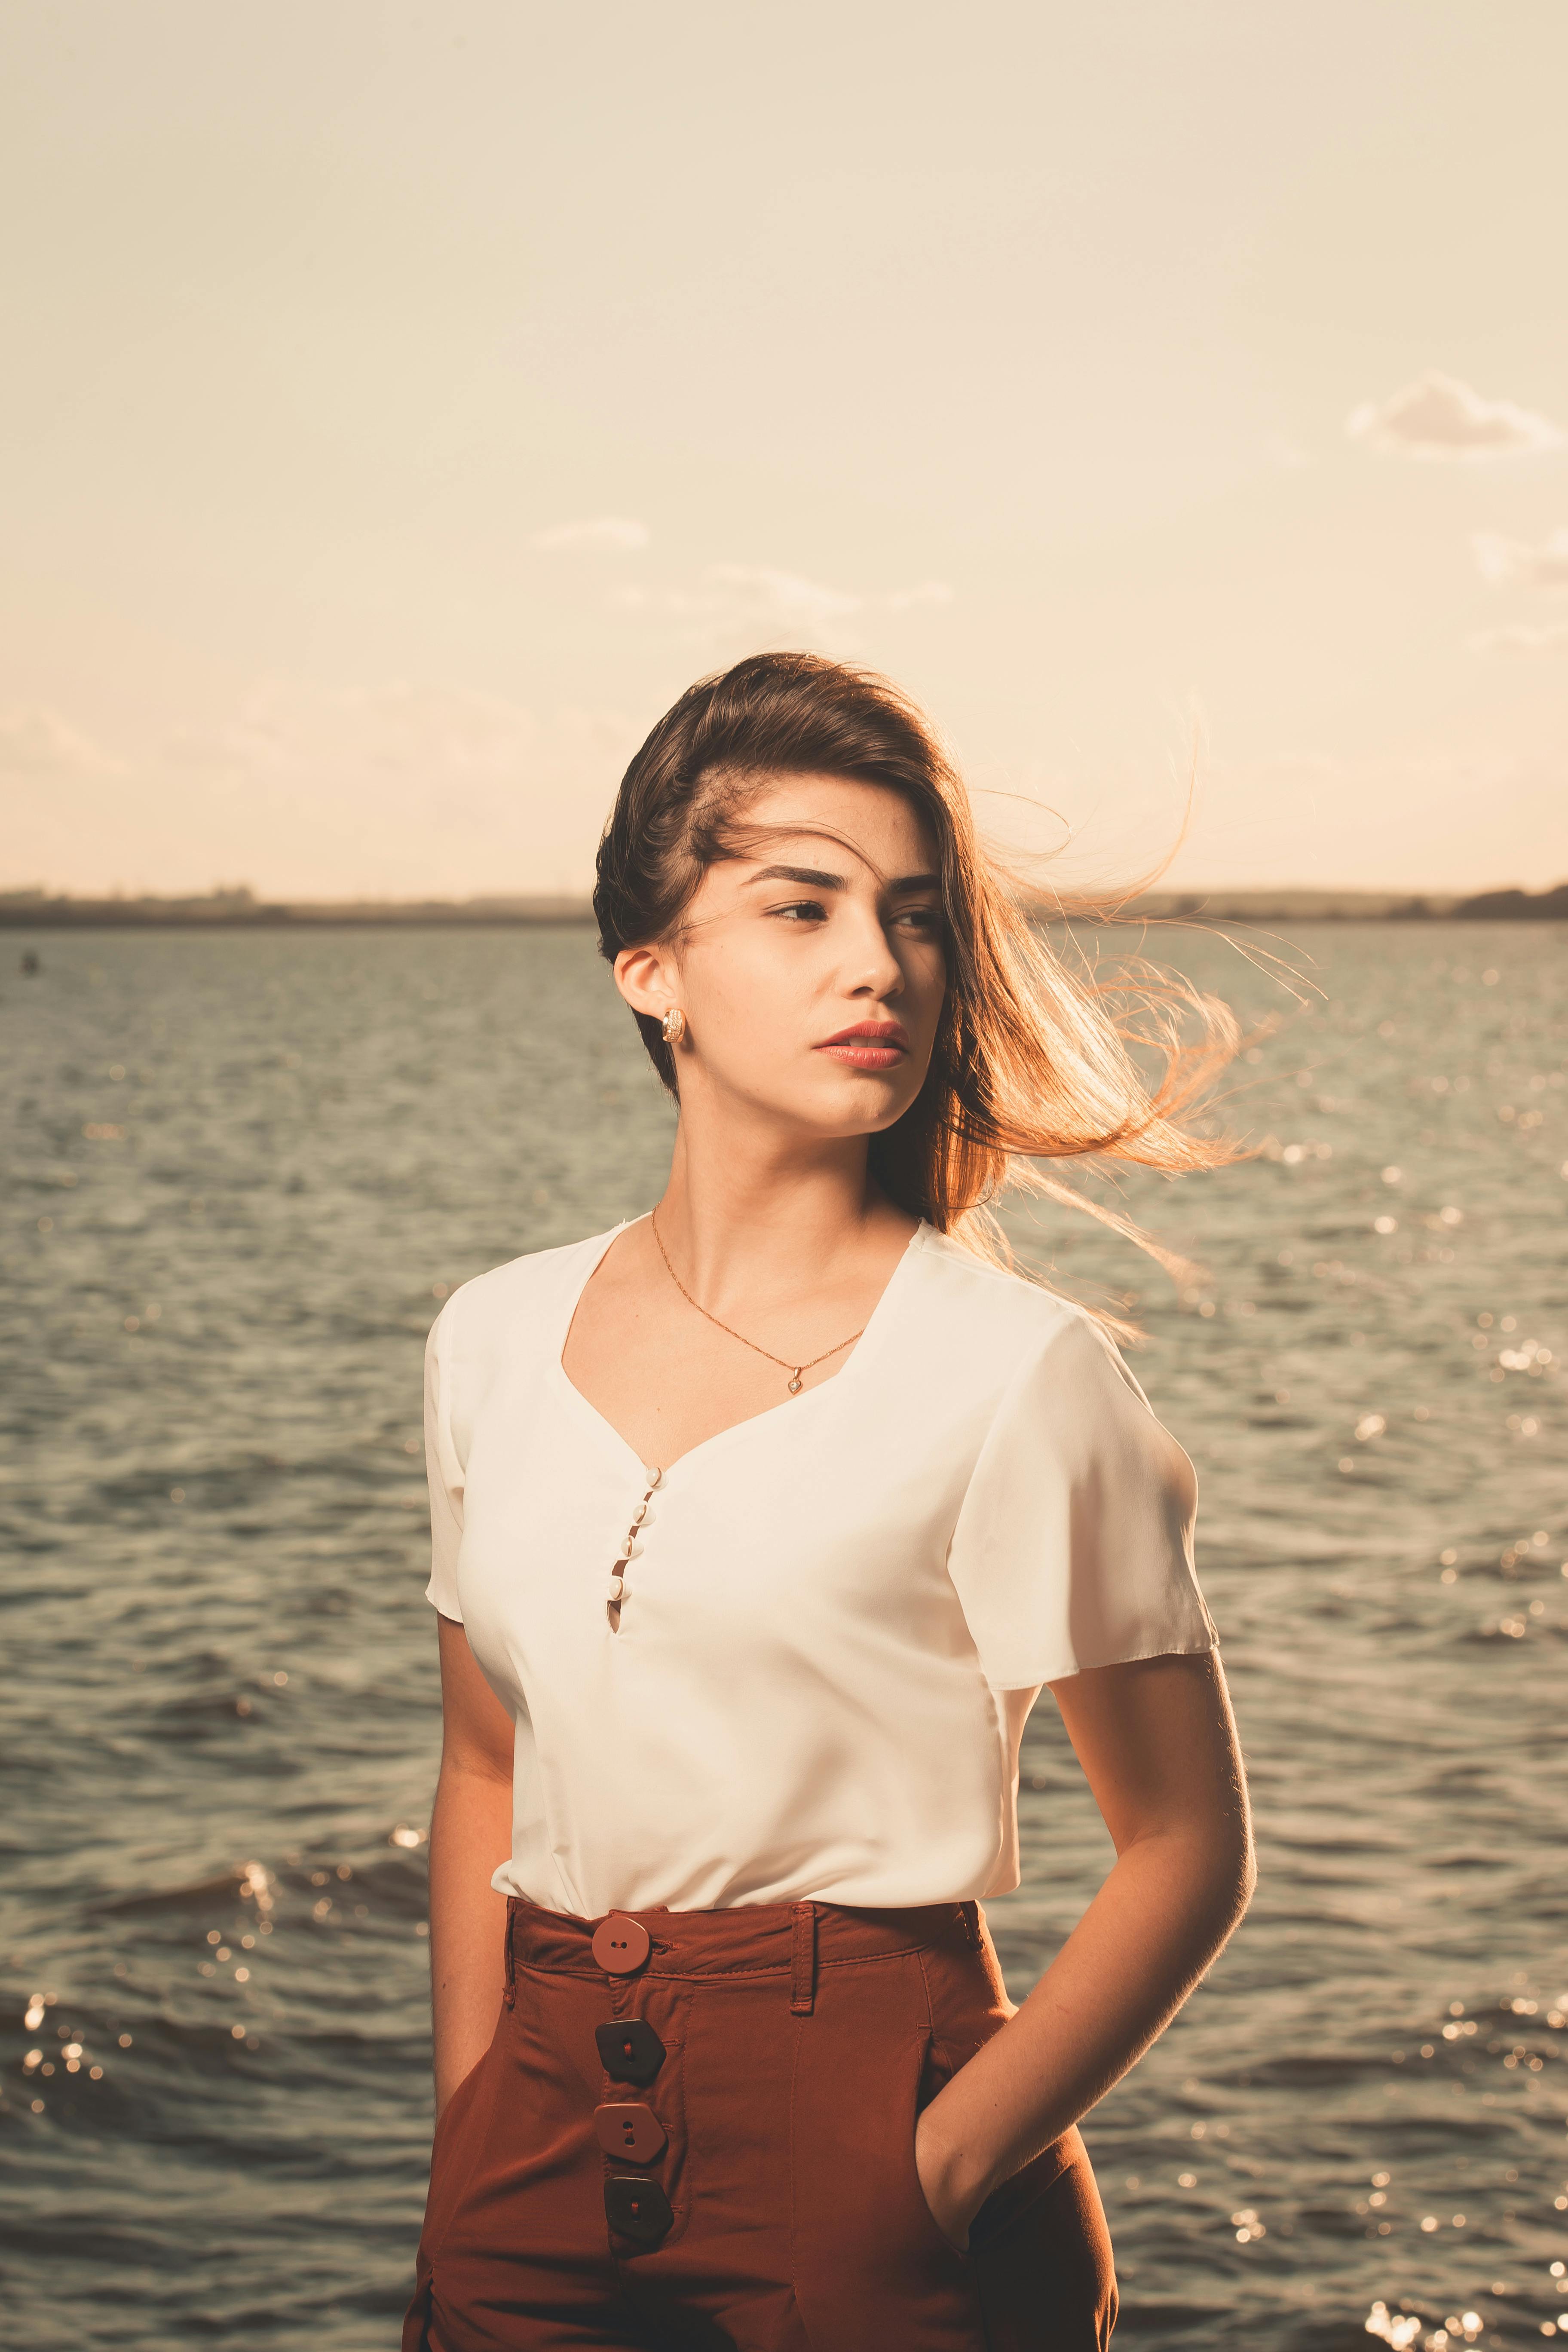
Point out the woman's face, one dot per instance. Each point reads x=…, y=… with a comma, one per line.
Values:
x=811, y=974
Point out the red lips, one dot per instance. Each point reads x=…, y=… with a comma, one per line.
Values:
x=875, y=1033
x=868, y=1045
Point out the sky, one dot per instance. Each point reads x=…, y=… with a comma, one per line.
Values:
x=403, y=404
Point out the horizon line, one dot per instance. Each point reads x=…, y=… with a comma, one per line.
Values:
x=238, y=905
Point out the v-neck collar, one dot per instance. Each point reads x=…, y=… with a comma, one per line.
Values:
x=870, y=1332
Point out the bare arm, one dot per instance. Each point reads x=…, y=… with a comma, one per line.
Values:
x=470, y=1835
x=1157, y=1743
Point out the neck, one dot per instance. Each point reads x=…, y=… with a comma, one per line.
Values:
x=744, y=1215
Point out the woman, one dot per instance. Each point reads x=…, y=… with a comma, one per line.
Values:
x=759, y=1524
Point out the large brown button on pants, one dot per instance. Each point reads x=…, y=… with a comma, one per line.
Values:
x=756, y=2190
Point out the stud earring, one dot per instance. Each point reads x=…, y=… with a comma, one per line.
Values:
x=673, y=1028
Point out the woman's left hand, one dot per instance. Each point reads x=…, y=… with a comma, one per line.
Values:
x=950, y=2207
x=1156, y=1741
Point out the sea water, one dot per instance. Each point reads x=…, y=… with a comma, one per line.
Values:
x=241, y=1172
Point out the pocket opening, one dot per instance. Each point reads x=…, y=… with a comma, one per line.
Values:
x=934, y=2071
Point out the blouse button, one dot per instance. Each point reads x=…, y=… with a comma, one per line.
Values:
x=631, y=1550
x=652, y=1478
x=618, y=1587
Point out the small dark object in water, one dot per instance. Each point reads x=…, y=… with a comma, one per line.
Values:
x=29, y=963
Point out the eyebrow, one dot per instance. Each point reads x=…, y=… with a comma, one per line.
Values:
x=817, y=881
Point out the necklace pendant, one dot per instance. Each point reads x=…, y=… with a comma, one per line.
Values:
x=794, y=1384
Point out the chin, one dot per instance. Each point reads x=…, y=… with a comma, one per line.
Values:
x=833, y=1103
x=862, y=1106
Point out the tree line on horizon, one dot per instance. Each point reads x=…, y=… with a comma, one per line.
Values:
x=237, y=906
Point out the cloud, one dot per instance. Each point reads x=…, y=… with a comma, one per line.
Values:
x=74, y=810
x=1280, y=450
x=929, y=591
x=600, y=534
x=65, y=797
x=1502, y=561
x=37, y=746
x=1439, y=418
x=432, y=786
x=399, y=789
x=745, y=593
x=1439, y=814
x=1522, y=638
x=738, y=608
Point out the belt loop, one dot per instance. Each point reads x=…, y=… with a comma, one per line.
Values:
x=509, y=1995
x=802, y=1960
x=970, y=1912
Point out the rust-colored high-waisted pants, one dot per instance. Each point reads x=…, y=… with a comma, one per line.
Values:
x=694, y=2131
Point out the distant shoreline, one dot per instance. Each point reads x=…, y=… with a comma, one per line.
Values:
x=241, y=911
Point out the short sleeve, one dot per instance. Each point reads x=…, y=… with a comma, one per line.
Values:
x=1073, y=1544
x=444, y=1473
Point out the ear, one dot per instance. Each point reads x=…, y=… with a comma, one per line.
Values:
x=647, y=979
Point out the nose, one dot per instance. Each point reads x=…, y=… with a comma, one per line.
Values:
x=874, y=970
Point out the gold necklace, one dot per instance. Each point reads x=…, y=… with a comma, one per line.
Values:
x=795, y=1371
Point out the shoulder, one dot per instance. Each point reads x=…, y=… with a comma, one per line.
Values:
x=1030, y=1341
x=1014, y=1318
x=521, y=1295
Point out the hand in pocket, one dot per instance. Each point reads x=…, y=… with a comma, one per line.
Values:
x=951, y=2212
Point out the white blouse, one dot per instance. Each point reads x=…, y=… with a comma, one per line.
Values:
x=820, y=1603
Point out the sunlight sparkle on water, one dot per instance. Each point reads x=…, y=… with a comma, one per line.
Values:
x=1423, y=1734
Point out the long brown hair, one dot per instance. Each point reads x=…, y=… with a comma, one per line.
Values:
x=1036, y=1058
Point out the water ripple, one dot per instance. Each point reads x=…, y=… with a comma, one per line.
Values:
x=220, y=1721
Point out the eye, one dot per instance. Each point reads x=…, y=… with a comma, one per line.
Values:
x=925, y=920
x=800, y=911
